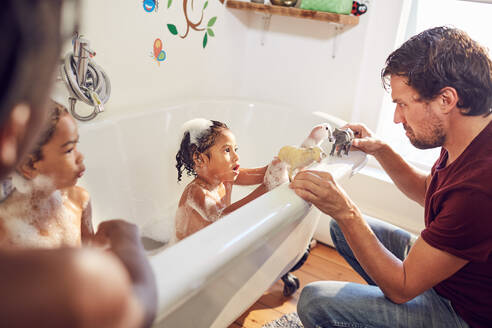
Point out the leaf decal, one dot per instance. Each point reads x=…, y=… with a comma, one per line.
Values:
x=211, y=22
x=205, y=39
x=172, y=29
x=210, y=32
x=204, y=6
x=169, y=3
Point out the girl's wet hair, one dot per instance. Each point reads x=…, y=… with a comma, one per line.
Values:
x=56, y=112
x=187, y=150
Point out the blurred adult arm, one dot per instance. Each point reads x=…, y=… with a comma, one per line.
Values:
x=124, y=242
x=69, y=288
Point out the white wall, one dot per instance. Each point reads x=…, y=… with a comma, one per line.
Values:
x=294, y=66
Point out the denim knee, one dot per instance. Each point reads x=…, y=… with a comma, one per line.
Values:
x=307, y=306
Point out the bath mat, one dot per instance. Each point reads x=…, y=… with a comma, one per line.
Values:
x=290, y=320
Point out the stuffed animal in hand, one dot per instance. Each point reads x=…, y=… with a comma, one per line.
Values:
x=280, y=172
x=297, y=158
x=343, y=140
x=318, y=134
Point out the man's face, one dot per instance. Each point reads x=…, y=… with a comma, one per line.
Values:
x=424, y=128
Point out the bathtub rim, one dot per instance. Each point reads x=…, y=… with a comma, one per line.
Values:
x=290, y=210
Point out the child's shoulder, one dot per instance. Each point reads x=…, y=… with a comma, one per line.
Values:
x=194, y=189
x=79, y=196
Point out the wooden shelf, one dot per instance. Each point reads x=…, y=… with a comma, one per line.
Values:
x=293, y=12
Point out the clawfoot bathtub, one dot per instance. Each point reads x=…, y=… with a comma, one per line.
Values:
x=213, y=276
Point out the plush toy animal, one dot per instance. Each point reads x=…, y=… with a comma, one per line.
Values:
x=280, y=171
x=297, y=158
x=343, y=140
x=318, y=134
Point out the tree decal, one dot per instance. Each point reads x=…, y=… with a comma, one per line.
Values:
x=196, y=26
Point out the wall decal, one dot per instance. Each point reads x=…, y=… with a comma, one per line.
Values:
x=196, y=26
x=158, y=54
x=151, y=5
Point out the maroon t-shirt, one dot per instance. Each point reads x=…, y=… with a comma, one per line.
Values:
x=458, y=220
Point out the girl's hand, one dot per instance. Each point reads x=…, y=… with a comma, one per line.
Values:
x=276, y=174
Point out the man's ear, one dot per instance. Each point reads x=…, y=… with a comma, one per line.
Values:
x=27, y=169
x=448, y=99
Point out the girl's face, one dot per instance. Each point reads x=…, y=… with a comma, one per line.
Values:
x=223, y=160
x=61, y=160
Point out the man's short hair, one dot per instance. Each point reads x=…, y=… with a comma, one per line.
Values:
x=445, y=57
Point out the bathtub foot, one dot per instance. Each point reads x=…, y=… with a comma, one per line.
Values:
x=291, y=284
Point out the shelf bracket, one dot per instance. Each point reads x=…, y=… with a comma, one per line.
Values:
x=338, y=30
x=266, y=26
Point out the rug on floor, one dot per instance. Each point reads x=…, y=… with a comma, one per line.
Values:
x=290, y=320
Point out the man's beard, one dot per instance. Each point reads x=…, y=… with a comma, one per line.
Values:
x=434, y=139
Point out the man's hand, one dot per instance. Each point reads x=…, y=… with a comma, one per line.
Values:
x=365, y=139
x=320, y=189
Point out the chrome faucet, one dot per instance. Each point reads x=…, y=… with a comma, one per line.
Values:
x=84, y=79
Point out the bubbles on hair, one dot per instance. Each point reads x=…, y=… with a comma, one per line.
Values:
x=196, y=128
x=198, y=136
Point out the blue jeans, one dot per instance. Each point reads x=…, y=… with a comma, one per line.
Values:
x=344, y=304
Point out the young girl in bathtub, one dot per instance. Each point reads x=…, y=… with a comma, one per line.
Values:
x=46, y=209
x=208, y=151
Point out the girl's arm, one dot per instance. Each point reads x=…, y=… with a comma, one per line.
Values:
x=86, y=228
x=251, y=176
x=260, y=190
x=81, y=197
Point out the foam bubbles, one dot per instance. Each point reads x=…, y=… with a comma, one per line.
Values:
x=25, y=186
x=276, y=175
x=196, y=127
x=38, y=220
x=192, y=216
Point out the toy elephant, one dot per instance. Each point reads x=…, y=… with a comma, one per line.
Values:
x=343, y=140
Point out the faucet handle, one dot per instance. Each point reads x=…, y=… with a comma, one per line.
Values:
x=98, y=105
x=91, y=52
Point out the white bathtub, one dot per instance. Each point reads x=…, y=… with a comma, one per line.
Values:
x=212, y=277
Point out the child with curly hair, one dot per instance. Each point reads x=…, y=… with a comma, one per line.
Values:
x=46, y=209
x=208, y=151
